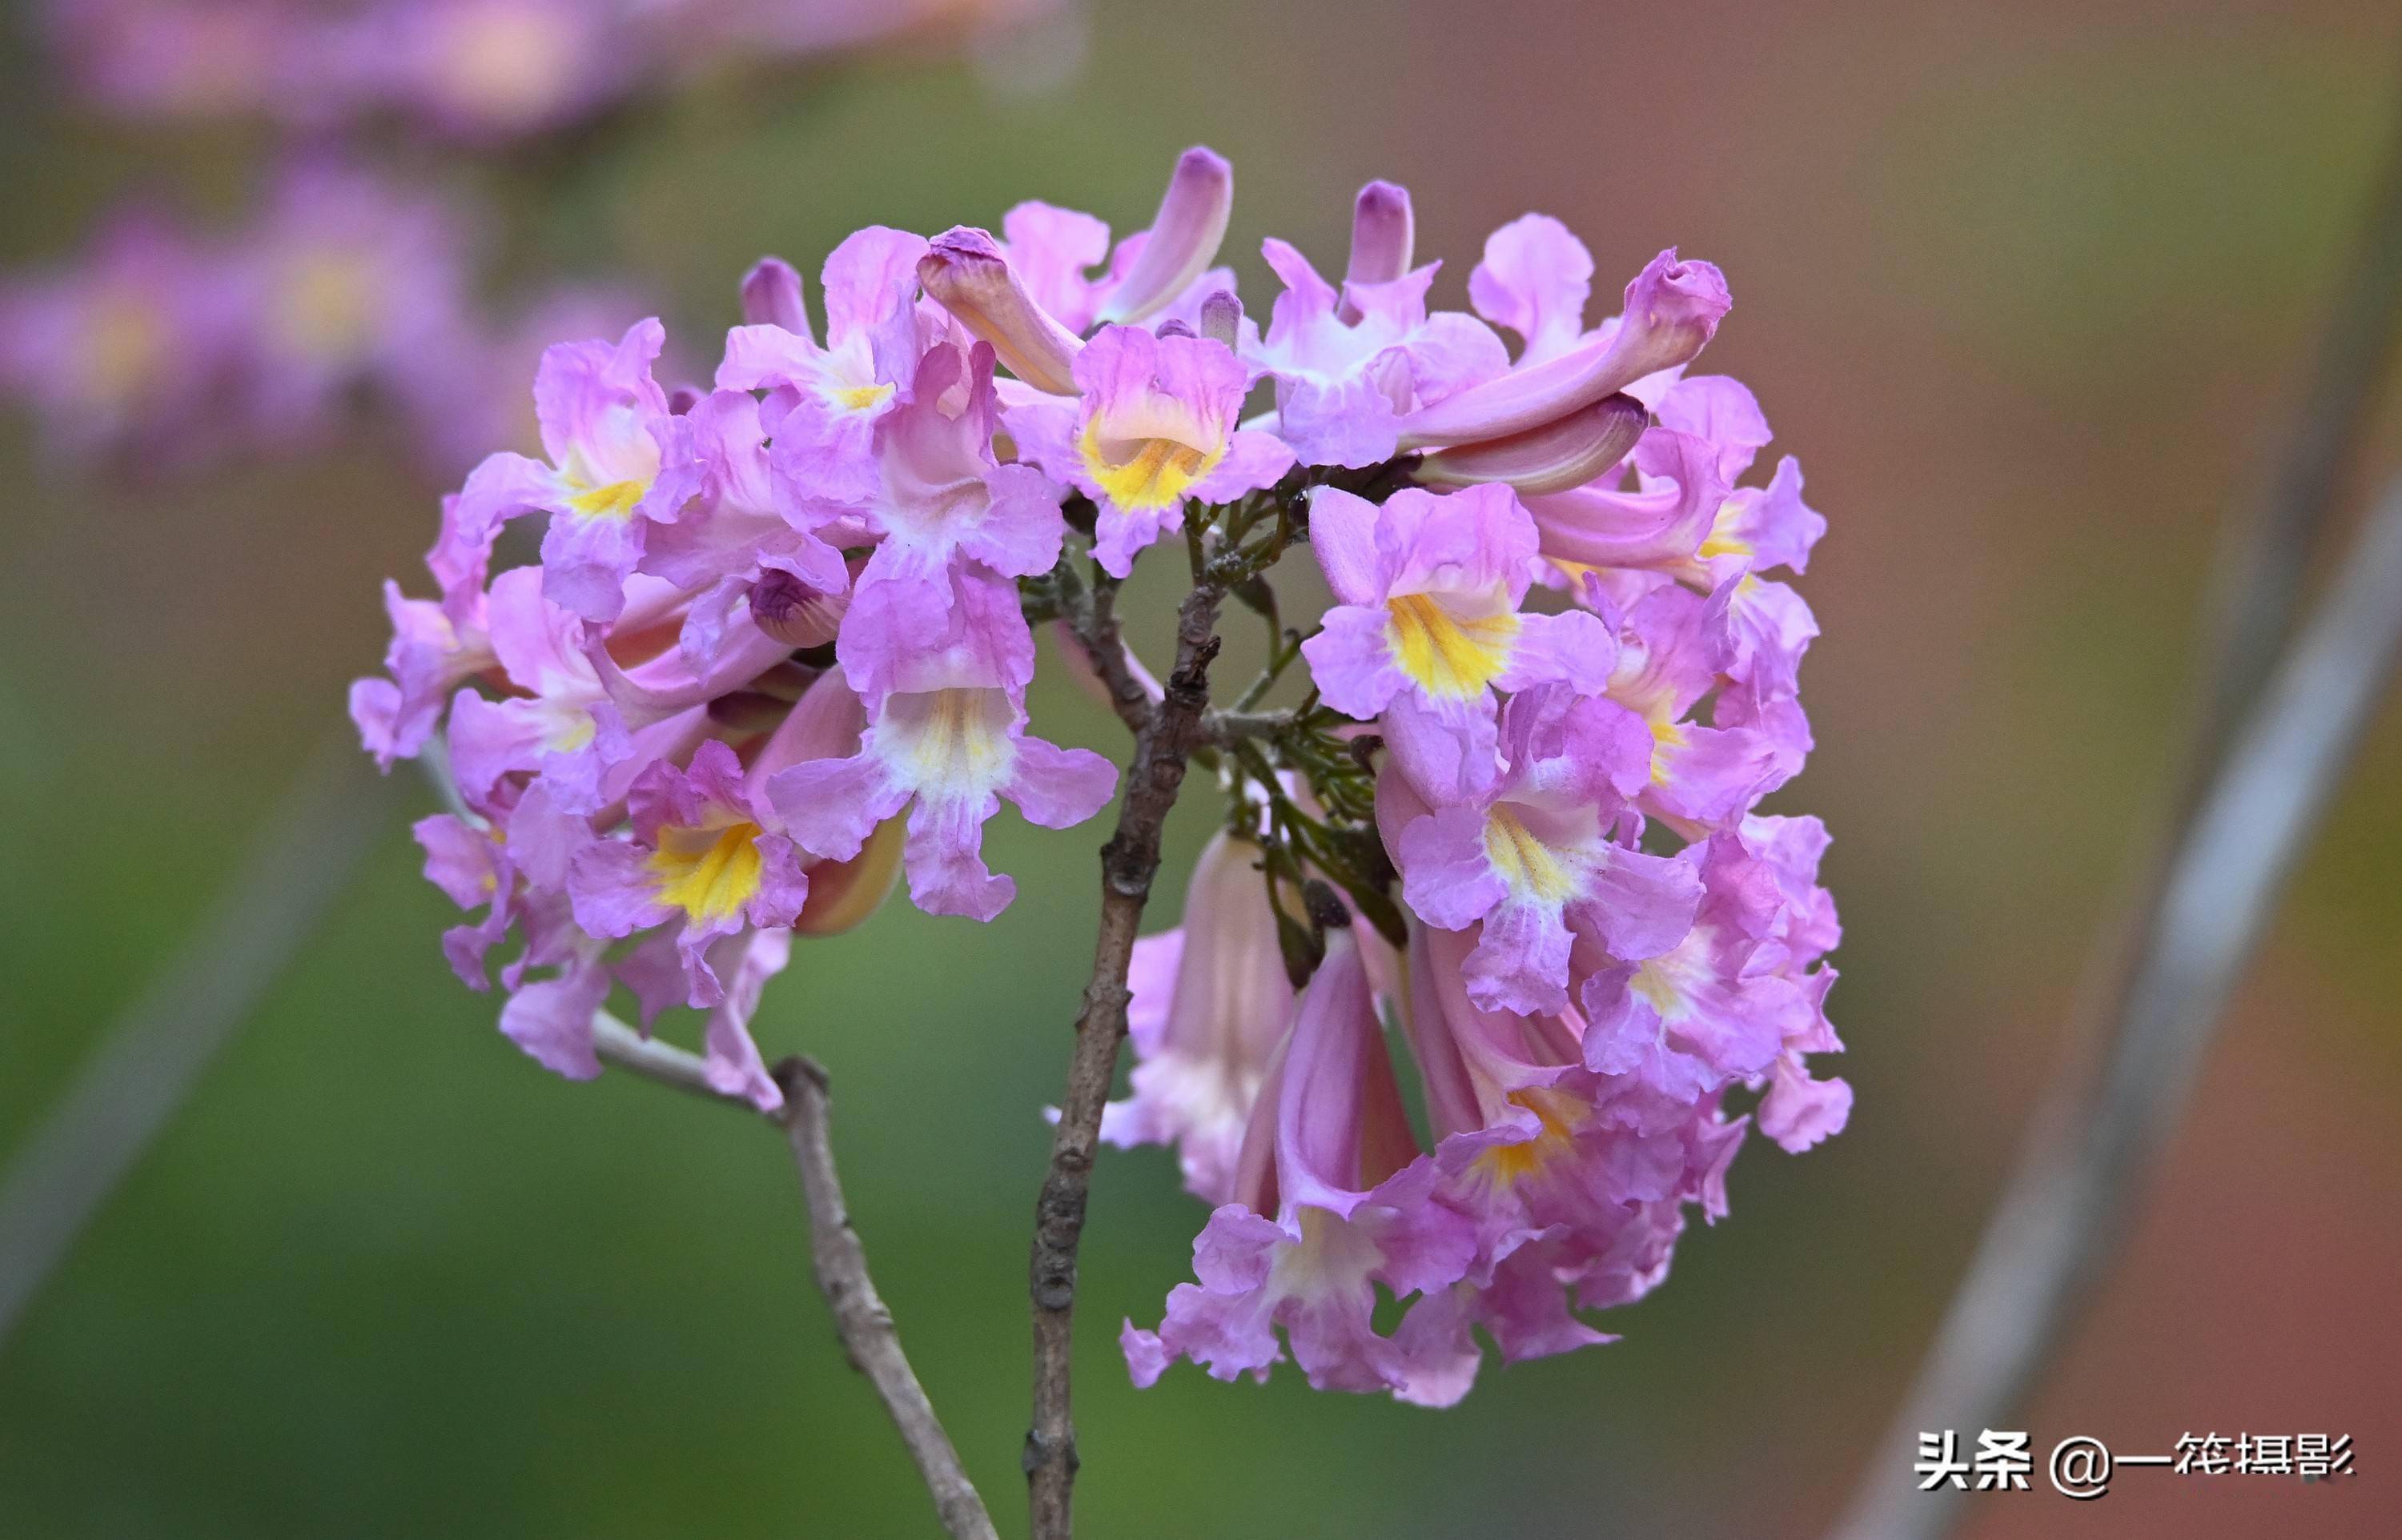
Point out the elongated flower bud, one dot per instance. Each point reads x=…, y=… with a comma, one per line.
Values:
x=1672, y=309
x=966, y=273
x=1184, y=238
x=1222, y=317
x=1561, y=454
x=771, y=297
x=1384, y=235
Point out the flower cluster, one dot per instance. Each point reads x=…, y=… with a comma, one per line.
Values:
x=774, y=657
x=160, y=344
x=473, y=69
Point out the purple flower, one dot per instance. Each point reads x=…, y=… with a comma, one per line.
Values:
x=943, y=508
x=1426, y=624
x=698, y=859
x=1535, y=857
x=1338, y=1202
x=1738, y=998
x=122, y=350
x=1351, y=364
x=945, y=742
x=1155, y=428
x=1672, y=309
x=1210, y=1005
x=352, y=280
x=562, y=727
x=823, y=402
x=605, y=427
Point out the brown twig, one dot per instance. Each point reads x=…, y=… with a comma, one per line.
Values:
x=1092, y=616
x=861, y=1320
x=860, y=1316
x=1164, y=741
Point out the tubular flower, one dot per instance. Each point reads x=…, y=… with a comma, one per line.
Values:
x=823, y=403
x=699, y=861
x=945, y=742
x=605, y=427
x=1351, y=364
x=1535, y=858
x=777, y=653
x=1672, y=309
x=1211, y=1003
x=1333, y=1200
x=1154, y=429
x=1427, y=623
x=944, y=506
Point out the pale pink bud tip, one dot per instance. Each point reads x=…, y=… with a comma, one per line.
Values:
x=1222, y=317
x=771, y=297
x=1566, y=452
x=965, y=272
x=1184, y=238
x=1384, y=234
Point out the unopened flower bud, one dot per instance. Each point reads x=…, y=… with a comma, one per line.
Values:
x=1383, y=235
x=771, y=297
x=1184, y=237
x=794, y=614
x=965, y=272
x=1222, y=317
x=1566, y=452
x=1672, y=309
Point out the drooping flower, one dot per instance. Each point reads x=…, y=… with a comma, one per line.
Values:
x=1210, y=1004
x=1333, y=1200
x=1426, y=624
x=1576, y=1182
x=1155, y=428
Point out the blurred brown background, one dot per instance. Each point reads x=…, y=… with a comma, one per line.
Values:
x=2026, y=287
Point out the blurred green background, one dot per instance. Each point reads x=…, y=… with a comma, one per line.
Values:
x=2026, y=287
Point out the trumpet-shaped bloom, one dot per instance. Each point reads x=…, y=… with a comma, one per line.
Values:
x=1351, y=364
x=948, y=515
x=605, y=427
x=823, y=402
x=1741, y=996
x=1333, y=1201
x=698, y=859
x=1428, y=625
x=1155, y=427
x=1211, y=1003
x=1703, y=775
x=429, y=655
x=563, y=726
x=945, y=742
x=1535, y=857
